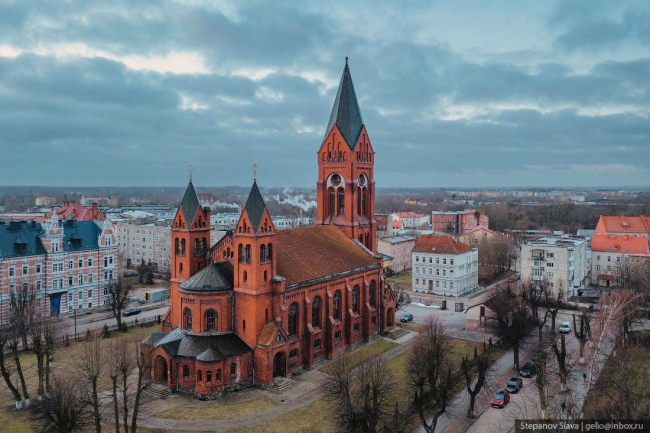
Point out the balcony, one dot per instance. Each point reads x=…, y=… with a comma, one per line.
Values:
x=534, y=266
x=538, y=277
x=537, y=256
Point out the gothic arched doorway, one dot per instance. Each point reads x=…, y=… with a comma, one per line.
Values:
x=280, y=365
x=390, y=317
x=160, y=370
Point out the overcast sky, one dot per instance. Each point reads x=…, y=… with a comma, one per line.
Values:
x=453, y=93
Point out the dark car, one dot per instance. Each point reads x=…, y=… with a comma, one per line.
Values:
x=131, y=312
x=528, y=370
x=129, y=274
x=514, y=385
x=406, y=318
x=501, y=398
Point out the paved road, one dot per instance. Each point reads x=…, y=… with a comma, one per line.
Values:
x=96, y=320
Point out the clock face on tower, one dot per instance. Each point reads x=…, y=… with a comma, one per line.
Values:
x=362, y=180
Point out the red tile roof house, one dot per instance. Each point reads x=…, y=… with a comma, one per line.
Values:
x=444, y=266
x=618, y=241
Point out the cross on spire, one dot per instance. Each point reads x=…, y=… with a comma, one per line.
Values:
x=254, y=171
x=190, y=168
x=346, y=53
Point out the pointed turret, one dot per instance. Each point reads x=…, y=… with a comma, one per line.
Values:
x=190, y=203
x=345, y=113
x=255, y=206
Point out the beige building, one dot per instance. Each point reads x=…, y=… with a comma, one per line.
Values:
x=399, y=248
x=559, y=263
x=141, y=242
x=476, y=236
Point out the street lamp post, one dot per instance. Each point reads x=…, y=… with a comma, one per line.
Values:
x=75, y=324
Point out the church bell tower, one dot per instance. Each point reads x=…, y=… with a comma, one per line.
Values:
x=346, y=186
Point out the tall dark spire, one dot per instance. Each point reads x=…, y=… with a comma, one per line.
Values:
x=345, y=113
x=255, y=206
x=190, y=204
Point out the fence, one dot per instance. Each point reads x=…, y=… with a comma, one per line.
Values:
x=99, y=332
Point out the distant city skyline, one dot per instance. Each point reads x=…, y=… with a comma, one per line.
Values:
x=453, y=94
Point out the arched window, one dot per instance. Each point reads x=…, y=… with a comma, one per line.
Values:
x=196, y=246
x=363, y=202
x=315, y=312
x=266, y=276
x=269, y=252
x=180, y=269
x=373, y=289
x=177, y=246
x=341, y=201
x=355, y=299
x=293, y=319
x=262, y=253
x=241, y=253
x=203, y=243
x=182, y=247
x=359, y=204
x=210, y=320
x=224, y=254
x=337, y=305
x=248, y=253
x=332, y=206
x=245, y=277
x=187, y=318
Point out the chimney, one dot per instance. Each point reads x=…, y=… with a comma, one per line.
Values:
x=94, y=214
x=389, y=224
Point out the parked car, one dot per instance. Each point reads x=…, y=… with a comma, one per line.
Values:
x=131, y=312
x=129, y=274
x=528, y=370
x=406, y=318
x=565, y=328
x=514, y=385
x=501, y=398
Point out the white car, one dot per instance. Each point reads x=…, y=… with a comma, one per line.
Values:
x=565, y=328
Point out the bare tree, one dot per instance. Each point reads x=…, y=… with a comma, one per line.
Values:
x=117, y=351
x=360, y=393
x=402, y=296
x=37, y=334
x=66, y=409
x=143, y=370
x=553, y=304
x=537, y=301
x=14, y=343
x=21, y=302
x=585, y=331
x=90, y=365
x=562, y=362
x=541, y=382
x=51, y=335
x=118, y=292
x=4, y=368
x=512, y=316
x=482, y=363
x=429, y=372
x=610, y=316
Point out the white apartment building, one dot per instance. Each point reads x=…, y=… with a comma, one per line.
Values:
x=559, y=263
x=141, y=242
x=444, y=266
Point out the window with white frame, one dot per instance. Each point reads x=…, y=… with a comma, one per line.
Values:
x=38, y=268
x=25, y=270
x=81, y=262
x=80, y=279
x=12, y=271
x=70, y=264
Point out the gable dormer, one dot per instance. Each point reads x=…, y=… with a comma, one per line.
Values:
x=107, y=237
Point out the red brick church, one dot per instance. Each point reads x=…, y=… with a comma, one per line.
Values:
x=260, y=302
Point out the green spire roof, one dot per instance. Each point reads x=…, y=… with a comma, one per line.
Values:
x=190, y=204
x=345, y=113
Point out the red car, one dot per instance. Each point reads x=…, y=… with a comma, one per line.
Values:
x=501, y=398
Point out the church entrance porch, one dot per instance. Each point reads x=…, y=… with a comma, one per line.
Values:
x=390, y=317
x=279, y=365
x=160, y=371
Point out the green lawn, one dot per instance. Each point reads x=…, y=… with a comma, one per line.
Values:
x=375, y=348
x=220, y=411
x=402, y=278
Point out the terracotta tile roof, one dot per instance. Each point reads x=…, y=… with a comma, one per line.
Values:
x=314, y=252
x=624, y=224
x=620, y=244
x=76, y=212
x=267, y=335
x=398, y=224
x=440, y=245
